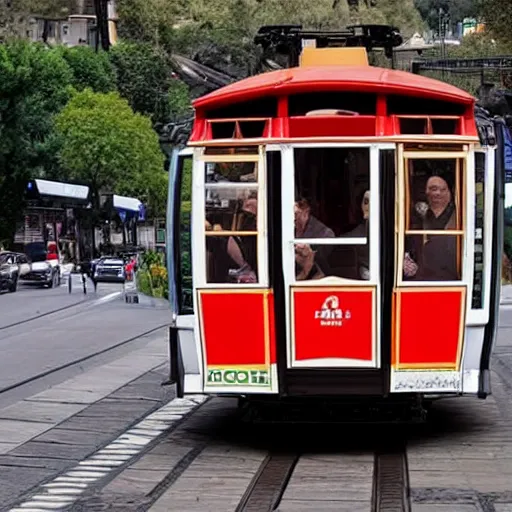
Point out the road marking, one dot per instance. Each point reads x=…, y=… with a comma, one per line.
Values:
x=65, y=489
x=107, y=298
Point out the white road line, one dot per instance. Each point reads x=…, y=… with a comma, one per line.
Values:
x=107, y=298
x=65, y=489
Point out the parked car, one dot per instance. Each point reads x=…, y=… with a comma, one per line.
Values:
x=44, y=266
x=9, y=272
x=109, y=269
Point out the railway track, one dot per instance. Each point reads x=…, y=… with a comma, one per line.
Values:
x=390, y=483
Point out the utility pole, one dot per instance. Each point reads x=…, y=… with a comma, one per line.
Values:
x=101, y=9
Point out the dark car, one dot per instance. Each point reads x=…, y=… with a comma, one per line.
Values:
x=9, y=272
x=109, y=269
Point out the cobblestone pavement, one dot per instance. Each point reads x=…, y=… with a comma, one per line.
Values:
x=190, y=456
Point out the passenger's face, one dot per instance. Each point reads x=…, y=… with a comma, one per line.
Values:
x=438, y=193
x=250, y=206
x=301, y=213
x=365, y=205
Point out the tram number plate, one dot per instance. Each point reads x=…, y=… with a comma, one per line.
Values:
x=238, y=377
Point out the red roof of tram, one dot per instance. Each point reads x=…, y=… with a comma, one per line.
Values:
x=331, y=78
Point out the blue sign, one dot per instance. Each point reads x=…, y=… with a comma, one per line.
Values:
x=142, y=212
x=507, y=148
x=122, y=215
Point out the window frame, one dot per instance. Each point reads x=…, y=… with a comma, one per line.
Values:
x=288, y=201
x=480, y=316
x=199, y=188
x=466, y=216
x=288, y=247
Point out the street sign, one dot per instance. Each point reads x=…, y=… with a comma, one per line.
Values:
x=507, y=148
x=142, y=212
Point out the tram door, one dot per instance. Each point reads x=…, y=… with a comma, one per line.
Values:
x=331, y=255
x=377, y=261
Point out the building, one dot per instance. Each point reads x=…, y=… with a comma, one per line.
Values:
x=75, y=27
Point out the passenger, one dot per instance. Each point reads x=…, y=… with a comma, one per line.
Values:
x=310, y=263
x=431, y=257
x=241, y=250
x=360, y=231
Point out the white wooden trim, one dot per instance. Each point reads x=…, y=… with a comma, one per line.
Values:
x=384, y=145
x=332, y=241
x=331, y=362
x=288, y=235
x=198, y=254
x=374, y=226
x=289, y=241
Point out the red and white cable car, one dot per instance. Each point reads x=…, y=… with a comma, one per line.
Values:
x=335, y=230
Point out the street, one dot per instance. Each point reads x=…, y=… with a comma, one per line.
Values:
x=104, y=434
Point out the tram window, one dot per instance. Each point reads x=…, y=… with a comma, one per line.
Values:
x=319, y=261
x=434, y=194
x=433, y=257
x=231, y=172
x=478, y=272
x=231, y=238
x=185, y=300
x=433, y=205
x=231, y=259
x=231, y=209
x=332, y=200
x=330, y=189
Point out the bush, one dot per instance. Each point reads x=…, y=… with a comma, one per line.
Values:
x=152, y=278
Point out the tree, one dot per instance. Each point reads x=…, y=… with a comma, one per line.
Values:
x=146, y=21
x=90, y=69
x=497, y=15
x=34, y=86
x=107, y=145
x=145, y=79
x=456, y=10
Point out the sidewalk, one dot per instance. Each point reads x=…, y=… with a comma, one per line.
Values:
x=31, y=417
x=506, y=294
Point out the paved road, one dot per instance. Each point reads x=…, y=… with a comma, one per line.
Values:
x=31, y=300
x=91, y=325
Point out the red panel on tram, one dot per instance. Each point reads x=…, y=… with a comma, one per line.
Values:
x=430, y=328
x=323, y=126
x=333, y=323
x=234, y=328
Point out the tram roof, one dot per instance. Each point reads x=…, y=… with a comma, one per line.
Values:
x=368, y=79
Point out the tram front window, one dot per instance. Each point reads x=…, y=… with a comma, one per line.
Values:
x=433, y=232
x=332, y=201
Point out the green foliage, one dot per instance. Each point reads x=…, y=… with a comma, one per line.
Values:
x=508, y=241
x=34, y=86
x=497, y=15
x=152, y=277
x=90, y=69
x=144, y=78
x=109, y=146
x=146, y=21
x=456, y=10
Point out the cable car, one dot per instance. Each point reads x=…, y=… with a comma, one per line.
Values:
x=335, y=232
